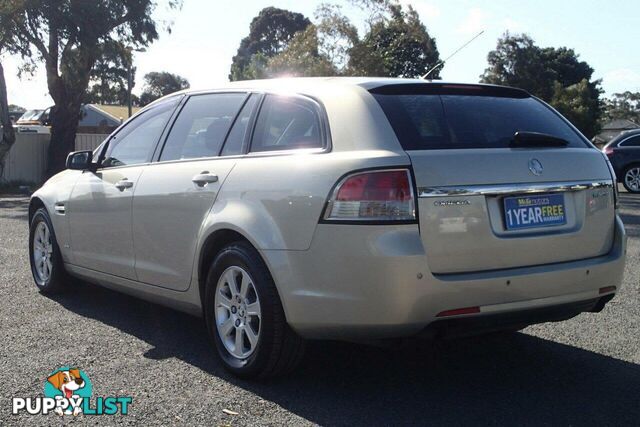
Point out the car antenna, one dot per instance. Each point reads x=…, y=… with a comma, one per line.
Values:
x=449, y=57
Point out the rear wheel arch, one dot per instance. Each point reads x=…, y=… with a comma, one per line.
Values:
x=212, y=246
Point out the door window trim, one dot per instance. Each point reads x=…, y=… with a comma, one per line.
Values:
x=246, y=153
x=165, y=135
x=621, y=143
x=131, y=120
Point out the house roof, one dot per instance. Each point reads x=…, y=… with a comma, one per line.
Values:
x=620, y=124
x=117, y=112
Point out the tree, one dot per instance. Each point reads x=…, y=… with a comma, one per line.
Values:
x=159, y=84
x=67, y=36
x=555, y=75
x=577, y=103
x=269, y=34
x=624, y=105
x=8, y=44
x=8, y=133
x=109, y=79
x=17, y=108
x=301, y=58
x=396, y=44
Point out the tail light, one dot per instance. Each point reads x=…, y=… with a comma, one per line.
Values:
x=382, y=195
x=608, y=151
x=612, y=172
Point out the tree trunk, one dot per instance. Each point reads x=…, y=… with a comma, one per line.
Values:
x=64, y=125
x=8, y=133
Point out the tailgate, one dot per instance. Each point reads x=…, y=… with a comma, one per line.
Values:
x=503, y=180
x=464, y=222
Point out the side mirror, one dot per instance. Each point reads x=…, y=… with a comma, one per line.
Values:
x=79, y=160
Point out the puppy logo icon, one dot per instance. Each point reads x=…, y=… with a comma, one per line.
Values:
x=68, y=386
x=67, y=391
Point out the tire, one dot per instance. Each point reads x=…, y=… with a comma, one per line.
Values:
x=275, y=349
x=47, y=267
x=631, y=178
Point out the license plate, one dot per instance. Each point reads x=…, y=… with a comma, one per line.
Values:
x=534, y=211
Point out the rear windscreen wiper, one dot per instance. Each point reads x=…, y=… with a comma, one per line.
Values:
x=536, y=139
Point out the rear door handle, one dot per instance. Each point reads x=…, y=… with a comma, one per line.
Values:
x=204, y=178
x=123, y=184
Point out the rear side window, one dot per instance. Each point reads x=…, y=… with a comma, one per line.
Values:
x=287, y=123
x=202, y=126
x=447, y=121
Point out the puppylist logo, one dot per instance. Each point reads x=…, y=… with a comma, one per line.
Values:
x=67, y=391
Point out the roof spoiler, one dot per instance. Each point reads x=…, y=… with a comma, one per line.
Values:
x=450, y=89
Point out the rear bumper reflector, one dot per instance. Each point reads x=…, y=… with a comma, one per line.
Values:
x=607, y=289
x=459, y=311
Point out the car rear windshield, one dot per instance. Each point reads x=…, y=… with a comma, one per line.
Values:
x=433, y=116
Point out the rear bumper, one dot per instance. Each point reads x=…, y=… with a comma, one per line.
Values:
x=511, y=320
x=367, y=282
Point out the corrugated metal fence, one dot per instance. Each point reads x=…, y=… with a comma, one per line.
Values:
x=89, y=141
x=27, y=159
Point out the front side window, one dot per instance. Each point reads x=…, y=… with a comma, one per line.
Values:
x=202, y=126
x=287, y=123
x=135, y=143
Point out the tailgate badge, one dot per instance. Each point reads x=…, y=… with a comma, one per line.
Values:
x=535, y=167
x=442, y=203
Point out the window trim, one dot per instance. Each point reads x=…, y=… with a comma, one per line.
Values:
x=324, y=121
x=128, y=122
x=249, y=132
x=325, y=134
x=620, y=144
x=163, y=139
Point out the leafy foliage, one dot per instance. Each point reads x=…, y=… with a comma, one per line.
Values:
x=395, y=44
x=109, y=79
x=16, y=108
x=555, y=75
x=68, y=36
x=159, y=84
x=624, y=105
x=269, y=34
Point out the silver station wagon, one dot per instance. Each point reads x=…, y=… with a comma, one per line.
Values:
x=338, y=208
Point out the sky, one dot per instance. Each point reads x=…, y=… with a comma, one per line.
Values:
x=206, y=34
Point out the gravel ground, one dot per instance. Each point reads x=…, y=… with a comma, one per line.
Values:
x=585, y=371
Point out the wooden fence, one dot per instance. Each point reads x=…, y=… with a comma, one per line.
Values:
x=27, y=159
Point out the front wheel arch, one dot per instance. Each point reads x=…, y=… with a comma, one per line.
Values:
x=34, y=204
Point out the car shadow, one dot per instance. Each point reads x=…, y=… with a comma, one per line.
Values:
x=14, y=207
x=630, y=213
x=510, y=379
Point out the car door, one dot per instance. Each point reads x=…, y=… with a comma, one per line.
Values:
x=99, y=208
x=175, y=194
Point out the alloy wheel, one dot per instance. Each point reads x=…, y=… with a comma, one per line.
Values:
x=237, y=312
x=632, y=178
x=42, y=251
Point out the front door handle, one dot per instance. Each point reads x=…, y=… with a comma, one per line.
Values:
x=204, y=178
x=123, y=184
